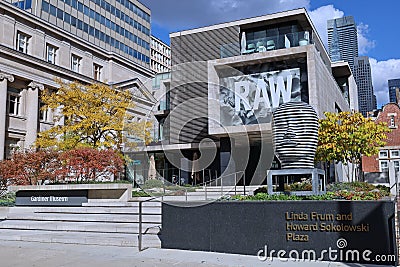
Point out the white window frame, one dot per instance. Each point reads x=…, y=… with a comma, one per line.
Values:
x=97, y=71
x=383, y=154
x=383, y=168
x=43, y=114
x=22, y=42
x=16, y=104
x=51, y=53
x=392, y=154
x=396, y=165
x=76, y=63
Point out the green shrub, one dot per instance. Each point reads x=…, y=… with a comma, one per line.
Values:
x=153, y=183
x=301, y=186
x=7, y=199
x=344, y=191
x=263, y=189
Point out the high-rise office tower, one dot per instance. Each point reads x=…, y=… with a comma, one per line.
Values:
x=342, y=39
x=121, y=26
x=394, y=87
x=160, y=56
x=362, y=75
x=343, y=45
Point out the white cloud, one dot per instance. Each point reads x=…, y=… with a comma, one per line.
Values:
x=176, y=15
x=382, y=71
x=320, y=16
x=364, y=44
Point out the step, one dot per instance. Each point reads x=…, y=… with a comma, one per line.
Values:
x=131, y=203
x=127, y=228
x=155, y=210
x=101, y=239
x=109, y=218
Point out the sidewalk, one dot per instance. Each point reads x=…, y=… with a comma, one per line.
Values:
x=26, y=254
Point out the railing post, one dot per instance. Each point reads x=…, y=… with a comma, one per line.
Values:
x=222, y=187
x=163, y=185
x=205, y=191
x=244, y=183
x=140, y=227
x=235, y=181
x=205, y=187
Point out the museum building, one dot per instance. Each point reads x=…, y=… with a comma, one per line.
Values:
x=226, y=81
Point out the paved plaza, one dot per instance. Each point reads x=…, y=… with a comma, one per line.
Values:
x=26, y=254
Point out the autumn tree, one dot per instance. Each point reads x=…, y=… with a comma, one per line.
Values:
x=89, y=164
x=95, y=115
x=28, y=167
x=346, y=136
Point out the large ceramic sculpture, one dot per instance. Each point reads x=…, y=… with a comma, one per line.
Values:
x=295, y=134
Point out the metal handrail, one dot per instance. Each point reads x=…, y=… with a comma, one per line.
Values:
x=140, y=236
x=204, y=184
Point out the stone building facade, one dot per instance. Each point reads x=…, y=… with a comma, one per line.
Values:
x=33, y=53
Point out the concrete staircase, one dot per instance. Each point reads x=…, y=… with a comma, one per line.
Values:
x=108, y=224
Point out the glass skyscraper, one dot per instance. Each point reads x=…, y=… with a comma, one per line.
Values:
x=342, y=40
x=363, y=77
x=121, y=26
x=394, y=85
x=343, y=45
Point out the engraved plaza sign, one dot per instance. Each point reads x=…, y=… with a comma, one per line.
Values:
x=344, y=231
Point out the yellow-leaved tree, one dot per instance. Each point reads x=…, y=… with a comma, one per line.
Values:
x=346, y=136
x=94, y=115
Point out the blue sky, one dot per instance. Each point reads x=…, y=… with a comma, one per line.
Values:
x=377, y=21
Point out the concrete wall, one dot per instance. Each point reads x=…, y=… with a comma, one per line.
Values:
x=323, y=89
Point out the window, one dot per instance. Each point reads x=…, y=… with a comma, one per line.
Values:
x=383, y=166
x=60, y=14
x=51, y=54
x=24, y=4
x=383, y=154
x=392, y=121
x=22, y=42
x=14, y=104
x=75, y=63
x=43, y=113
x=396, y=165
x=97, y=72
x=394, y=154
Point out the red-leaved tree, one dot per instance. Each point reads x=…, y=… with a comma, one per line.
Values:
x=88, y=164
x=27, y=167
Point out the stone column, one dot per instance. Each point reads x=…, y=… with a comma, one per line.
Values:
x=4, y=79
x=32, y=113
